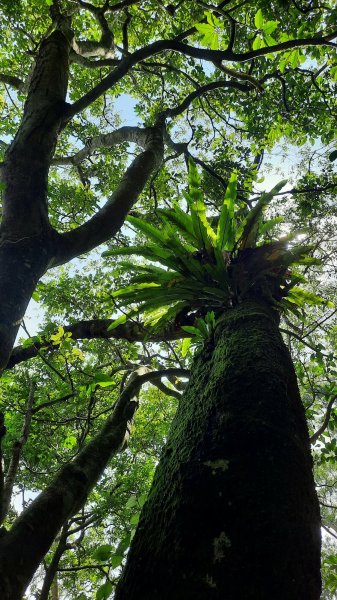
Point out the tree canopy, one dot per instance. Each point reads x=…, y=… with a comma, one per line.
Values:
x=138, y=108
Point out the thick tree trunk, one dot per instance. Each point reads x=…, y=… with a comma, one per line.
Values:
x=22, y=263
x=27, y=241
x=232, y=513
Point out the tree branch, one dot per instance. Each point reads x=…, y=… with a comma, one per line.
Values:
x=105, y=46
x=136, y=135
x=167, y=391
x=213, y=56
x=121, y=5
x=214, y=85
x=52, y=567
x=68, y=491
x=16, y=455
x=326, y=420
x=93, y=64
x=13, y=81
x=98, y=329
x=109, y=219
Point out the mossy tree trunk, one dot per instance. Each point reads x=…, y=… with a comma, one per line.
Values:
x=233, y=513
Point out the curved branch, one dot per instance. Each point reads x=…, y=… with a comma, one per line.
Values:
x=105, y=46
x=214, y=85
x=109, y=219
x=213, y=56
x=326, y=420
x=136, y=135
x=52, y=568
x=93, y=64
x=167, y=391
x=240, y=75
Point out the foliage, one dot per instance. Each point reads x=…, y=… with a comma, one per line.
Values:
x=207, y=270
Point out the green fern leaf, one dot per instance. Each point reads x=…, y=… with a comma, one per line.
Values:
x=225, y=237
x=181, y=221
x=252, y=222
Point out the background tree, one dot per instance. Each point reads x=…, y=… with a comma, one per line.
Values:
x=243, y=77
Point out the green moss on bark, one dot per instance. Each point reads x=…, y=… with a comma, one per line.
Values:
x=232, y=512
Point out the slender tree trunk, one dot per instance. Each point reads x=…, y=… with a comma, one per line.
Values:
x=23, y=547
x=232, y=513
x=55, y=590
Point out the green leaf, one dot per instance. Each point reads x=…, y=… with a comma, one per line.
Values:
x=201, y=325
x=56, y=338
x=129, y=290
x=333, y=73
x=102, y=553
x=131, y=502
x=142, y=499
x=181, y=220
x=269, y=27
x=104, y=591
x=185, y=346
x=190, y=329
x=268, y=225
x=252, y=222
x=70, y=442
x=116, y=561
x=302, y=297
x=120, y=321
x=212, y=19
x=135, y=519
x=269, y=41
x=103, y=380
x=258, y=19
x=209, y=35
x=210, y=319
x=151, y=232
x=28, y=343
x=225, y=236
x=168, y=315
x=201, y=227
x=258, y=43
x=124, y=544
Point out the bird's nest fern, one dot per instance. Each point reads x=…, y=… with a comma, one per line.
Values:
x=204, y=269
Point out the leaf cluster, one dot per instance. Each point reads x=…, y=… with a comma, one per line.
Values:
x=203, y=269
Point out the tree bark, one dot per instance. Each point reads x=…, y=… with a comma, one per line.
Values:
x=26, y=237
x=233, y=511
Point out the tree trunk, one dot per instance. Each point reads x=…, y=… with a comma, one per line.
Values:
x=23, y=547
x=22, y=263
x=27, y=241
x=232, y=513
